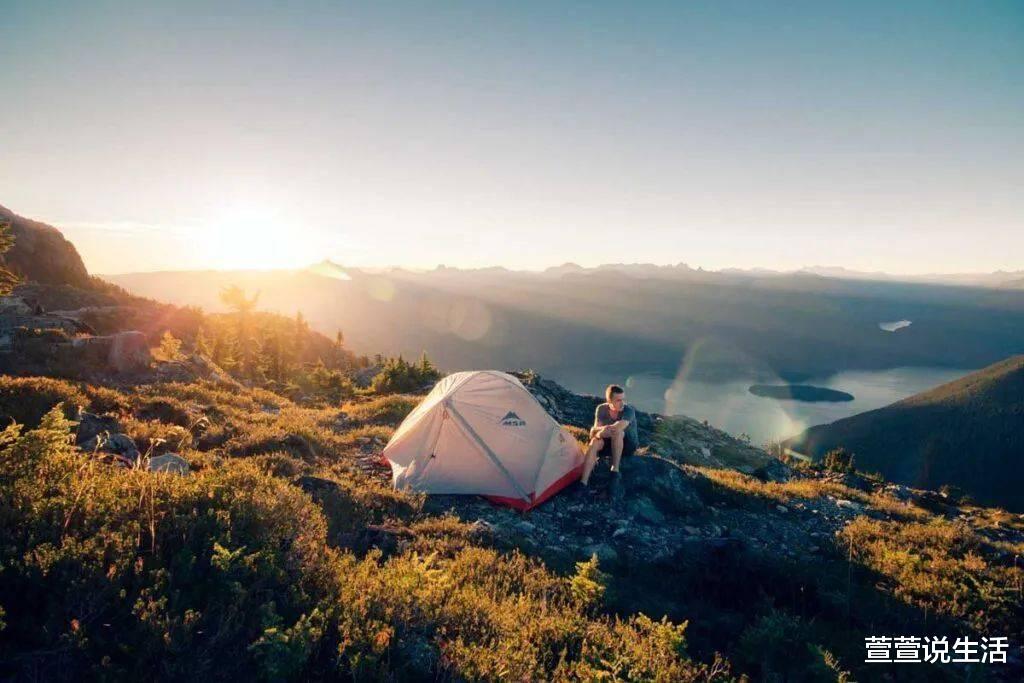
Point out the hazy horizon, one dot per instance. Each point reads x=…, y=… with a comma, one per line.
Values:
x=181, y=136
x=542, y=269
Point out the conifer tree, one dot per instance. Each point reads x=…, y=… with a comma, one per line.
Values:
x=340, y=357
x=272, y=356
x=170, y=346
x=427, y=370
x=225, y=351
x=7, y=278
x=242, y=305
x=202, y=343
x=301, y=332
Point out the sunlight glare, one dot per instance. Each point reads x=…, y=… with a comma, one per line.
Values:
x=248, y=235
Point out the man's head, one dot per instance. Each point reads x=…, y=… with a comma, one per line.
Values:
x=615, y=395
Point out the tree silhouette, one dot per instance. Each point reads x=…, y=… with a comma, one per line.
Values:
x=234, y=297
x=7, y=278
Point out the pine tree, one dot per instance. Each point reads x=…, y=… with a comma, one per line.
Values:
x=301, y=333
x=427, y=370
x=225, y=350
x=202, y=342
x=272, y=358
x=7, y=278
x=341, y=358
x=236, y=299
x=170, y=346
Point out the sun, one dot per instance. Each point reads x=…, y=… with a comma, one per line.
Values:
x=247, y=235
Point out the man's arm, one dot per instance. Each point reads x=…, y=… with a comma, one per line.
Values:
x=599, y=429
x=623, y=424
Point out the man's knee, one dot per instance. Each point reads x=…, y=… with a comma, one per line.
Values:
x=597, y=443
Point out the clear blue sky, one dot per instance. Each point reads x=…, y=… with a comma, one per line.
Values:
x=875, y=135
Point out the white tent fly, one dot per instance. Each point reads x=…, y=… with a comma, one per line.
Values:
x=482, y=432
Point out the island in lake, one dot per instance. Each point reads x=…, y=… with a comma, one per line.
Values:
x=894, y=325
x=800, y=392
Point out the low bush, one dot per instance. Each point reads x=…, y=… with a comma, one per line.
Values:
x=386, y=410
x=400, y=376
x=938, y=566
x=26, y=400
x=227, y=573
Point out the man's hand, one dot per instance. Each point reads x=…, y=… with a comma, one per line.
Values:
x=608, y=431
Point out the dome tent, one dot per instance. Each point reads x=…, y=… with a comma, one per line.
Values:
x=483, y=432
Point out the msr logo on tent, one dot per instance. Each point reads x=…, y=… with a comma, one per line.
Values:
x=512, y=420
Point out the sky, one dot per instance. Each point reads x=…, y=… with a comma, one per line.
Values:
x=168, y=136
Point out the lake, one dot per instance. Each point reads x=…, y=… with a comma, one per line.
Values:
x=730, y=406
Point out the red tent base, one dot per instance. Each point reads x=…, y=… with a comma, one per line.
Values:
x=524, y=505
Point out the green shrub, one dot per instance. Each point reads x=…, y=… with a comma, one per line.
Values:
x=400, y=376
x=122, y=574
x=26, y=400
x=839, y=460
x=127, y=572
x=170, y=347
x=104, y=400
x=330, y=385
x=779, y=646
x=589, y=583
x=938, y=566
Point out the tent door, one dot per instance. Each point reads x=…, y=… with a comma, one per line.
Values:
x=432, y=452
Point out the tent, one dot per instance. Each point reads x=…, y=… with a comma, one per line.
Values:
x=482, y=432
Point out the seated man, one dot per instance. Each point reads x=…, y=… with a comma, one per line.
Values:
x=614, y=432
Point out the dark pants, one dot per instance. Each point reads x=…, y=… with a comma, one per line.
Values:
x=628, y=449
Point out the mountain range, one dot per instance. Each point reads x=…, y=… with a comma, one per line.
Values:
x=630, y=318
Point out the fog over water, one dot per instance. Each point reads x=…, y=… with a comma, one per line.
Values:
x=730, y=406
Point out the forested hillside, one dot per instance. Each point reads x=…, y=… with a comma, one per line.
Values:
x=967, y=434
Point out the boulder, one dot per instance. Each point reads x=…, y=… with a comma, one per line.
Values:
x=774, y=470
x=14, y=305
x=171, y=463
x=120, y=352
x=129, y=351
x=664, y=483
x=90, y=426
x=118, y=444
x=849, y=505
x=899, y=491
x=643, y=509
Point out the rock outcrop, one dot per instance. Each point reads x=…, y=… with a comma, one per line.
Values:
x=121, y=352
x=41, y=253
x=17, y=312
x=170, y=463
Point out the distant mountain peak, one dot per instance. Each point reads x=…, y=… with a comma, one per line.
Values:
x=328, y=268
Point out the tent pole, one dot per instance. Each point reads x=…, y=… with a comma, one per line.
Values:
x=490, y=454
